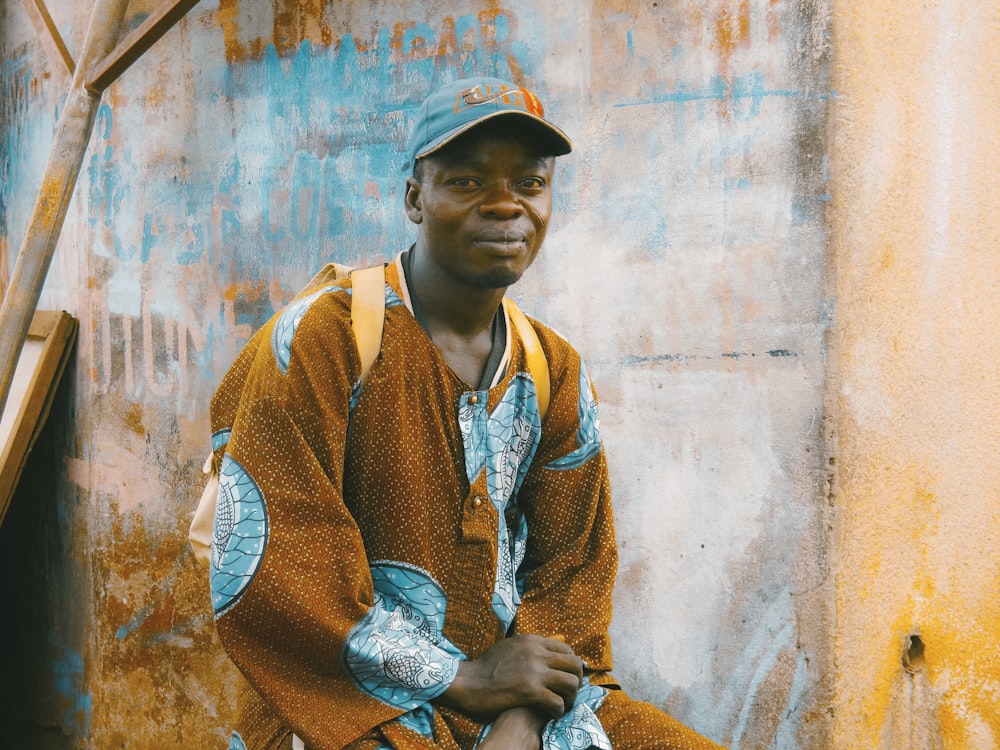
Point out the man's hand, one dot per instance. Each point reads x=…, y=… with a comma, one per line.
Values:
x=526, y=671
x=515, y=729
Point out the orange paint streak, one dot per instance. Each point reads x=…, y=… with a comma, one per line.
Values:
x=419, y=47
x=773, y=29
x=449, y=40
x=310, y=19
x=286, y=31
x=731, y=31
x=296, y=21
x=487, y=33
x=133, y=419
x=227, y=15
x=398, y=30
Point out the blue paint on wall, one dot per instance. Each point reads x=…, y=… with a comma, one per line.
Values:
x=748, y=87
x=68, y=680
x=26, y=138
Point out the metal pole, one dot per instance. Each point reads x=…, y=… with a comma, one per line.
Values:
x=58, y=53
x=135, y=45
x=58, y=182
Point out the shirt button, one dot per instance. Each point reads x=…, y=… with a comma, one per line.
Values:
x=473, y=399
x=477, y=502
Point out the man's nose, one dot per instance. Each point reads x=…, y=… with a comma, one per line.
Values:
x=500, y=202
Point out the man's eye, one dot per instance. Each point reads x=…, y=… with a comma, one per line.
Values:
x=463, y=182
x=532, y=183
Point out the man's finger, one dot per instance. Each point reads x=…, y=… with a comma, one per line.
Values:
x=568, y=662
x=554, y=705
x=558, y=644
x=565, y=684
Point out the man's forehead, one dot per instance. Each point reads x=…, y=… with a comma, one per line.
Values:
x=482, y=162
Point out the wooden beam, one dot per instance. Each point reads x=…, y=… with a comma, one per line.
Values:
x=132, y=47
x=76, y=123
x=39, y=369
x=52, y=40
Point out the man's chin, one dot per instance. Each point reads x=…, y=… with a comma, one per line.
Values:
x=500, y=279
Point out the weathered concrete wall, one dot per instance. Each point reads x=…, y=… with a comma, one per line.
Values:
x=686, y=261
x=916, y=242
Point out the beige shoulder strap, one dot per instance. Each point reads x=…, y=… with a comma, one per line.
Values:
x=367, y=306
x=203, y=522
x=538, y=366
x=327, y=275
x=368, y=314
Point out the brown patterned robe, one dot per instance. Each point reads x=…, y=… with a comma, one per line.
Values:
x=365, y=542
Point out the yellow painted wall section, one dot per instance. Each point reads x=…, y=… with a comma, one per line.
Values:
x=915, y=358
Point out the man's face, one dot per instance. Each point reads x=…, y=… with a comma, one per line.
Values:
x=483, y=204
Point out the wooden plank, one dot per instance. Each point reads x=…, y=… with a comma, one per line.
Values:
x=76, y=124
x=133, y=46
x=51, y=39
x=39, y=368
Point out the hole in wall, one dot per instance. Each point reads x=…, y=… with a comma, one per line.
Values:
x=913, y=653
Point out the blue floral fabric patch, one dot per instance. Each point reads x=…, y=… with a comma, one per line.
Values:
x=220, y=438
x=578, y=729
x=286, y=324
x=503, y=442
x=397, y=652
x=419, y=720
x=240, y=535
x=588, y=436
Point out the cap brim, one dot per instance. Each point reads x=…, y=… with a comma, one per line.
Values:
x=556, y=139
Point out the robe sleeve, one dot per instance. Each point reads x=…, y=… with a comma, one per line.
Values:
x=290, y=580
x=571, y=560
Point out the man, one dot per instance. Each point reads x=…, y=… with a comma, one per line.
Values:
x=426, y=560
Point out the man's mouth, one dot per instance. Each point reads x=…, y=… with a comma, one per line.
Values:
x=505, y=241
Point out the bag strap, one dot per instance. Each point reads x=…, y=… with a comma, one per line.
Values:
x=368, y=314
x=538, y=366
x=328, y=274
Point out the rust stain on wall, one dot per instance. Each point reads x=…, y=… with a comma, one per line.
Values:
x=731, y=30
x=155, y=625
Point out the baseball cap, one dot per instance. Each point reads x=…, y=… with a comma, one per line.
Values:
x=459, y=106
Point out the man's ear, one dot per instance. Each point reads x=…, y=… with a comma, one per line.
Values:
x=411, y=201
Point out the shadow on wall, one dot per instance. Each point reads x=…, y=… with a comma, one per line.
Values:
x=43, y=620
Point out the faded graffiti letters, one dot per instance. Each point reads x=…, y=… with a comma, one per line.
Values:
x=151, y=353
x=483, y=43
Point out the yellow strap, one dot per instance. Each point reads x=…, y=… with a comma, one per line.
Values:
x=368, y=314
x=326, y=275
x=203, y=522
x=538, y=366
